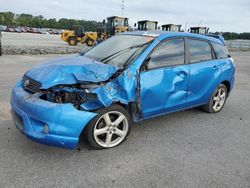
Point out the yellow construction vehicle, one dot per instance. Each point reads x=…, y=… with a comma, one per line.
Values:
x=114, y=25
x=79, y=36
x=199, y=30
x=171, y=27
x=145, y=25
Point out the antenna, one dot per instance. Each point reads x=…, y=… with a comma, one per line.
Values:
x=200, y=22
x=122, y=7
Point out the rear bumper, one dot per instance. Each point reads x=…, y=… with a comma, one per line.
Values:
x=30, y=114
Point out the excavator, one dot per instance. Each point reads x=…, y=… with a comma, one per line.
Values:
x=115, y=24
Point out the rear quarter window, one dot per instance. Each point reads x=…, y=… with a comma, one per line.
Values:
x=220, y=50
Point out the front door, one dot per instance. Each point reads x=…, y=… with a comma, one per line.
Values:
x=164, y=83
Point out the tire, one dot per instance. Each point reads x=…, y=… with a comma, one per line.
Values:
x=1, y=52
x=102, y=132
x=218, y=97
x=72, y=41
x=90, y=42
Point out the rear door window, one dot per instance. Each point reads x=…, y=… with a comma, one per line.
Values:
x=199, y=51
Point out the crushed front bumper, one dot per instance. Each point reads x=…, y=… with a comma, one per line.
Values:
x=63, y=122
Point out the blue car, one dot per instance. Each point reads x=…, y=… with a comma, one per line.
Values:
x=125, y=79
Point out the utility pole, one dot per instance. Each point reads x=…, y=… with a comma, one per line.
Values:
x=122, y=7
x=186, y=26
x=200, y=22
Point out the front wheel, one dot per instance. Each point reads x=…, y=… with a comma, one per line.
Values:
x=90, y=42
x=109, y=128
x=217, y=101
x=72, y=41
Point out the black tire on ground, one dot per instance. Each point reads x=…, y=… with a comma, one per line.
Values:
x=72, y=41
x=1, y=52
x=89, y=130
x=209, y=106
x=90, y=42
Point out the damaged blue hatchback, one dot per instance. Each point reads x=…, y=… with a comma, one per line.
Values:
x=125, y=79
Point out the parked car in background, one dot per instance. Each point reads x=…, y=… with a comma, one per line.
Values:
x=17, y=30
x=3, y=28
x=127, y=78
x=23, y=30
x=10, y=29
x=28, y=29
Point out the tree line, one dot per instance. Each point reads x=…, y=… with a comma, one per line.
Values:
x=10, y=19
x=14, y=20
x=234, y=36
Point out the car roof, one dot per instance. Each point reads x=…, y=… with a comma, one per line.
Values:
x=166, y=34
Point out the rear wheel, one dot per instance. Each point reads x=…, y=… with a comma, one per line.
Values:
x=90, y=42
x=72, y=41
x=217, y=101
x=109, y=128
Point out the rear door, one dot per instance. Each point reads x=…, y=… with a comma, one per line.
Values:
x=205, y=72
x=163, y=85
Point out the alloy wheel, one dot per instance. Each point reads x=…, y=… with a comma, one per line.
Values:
x=219, y=99
x=110, y=129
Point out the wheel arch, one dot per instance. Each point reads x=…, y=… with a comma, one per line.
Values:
x=227, y=84
x=133, y=109
x=71, y=36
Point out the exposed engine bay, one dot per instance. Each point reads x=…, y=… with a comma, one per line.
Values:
x=75, y=94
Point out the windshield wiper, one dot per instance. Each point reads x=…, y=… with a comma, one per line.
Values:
x=123, y=50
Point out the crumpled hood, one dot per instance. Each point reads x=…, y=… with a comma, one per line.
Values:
x=70, y=70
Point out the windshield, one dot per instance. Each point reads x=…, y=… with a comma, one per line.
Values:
x=119, y=49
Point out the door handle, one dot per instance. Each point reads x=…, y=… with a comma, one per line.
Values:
x=215, y=67
x=182, y=74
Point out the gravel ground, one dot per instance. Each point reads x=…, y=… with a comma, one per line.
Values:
x=29, y=43
x=184, y=149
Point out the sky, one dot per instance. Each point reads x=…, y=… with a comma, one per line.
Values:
x=218, y=15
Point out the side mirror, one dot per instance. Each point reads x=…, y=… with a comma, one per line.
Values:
x=134, y=24
x=81, y=53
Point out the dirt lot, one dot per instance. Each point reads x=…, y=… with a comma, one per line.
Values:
x=184, y=149
x=29, y=43
x=30, y=39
